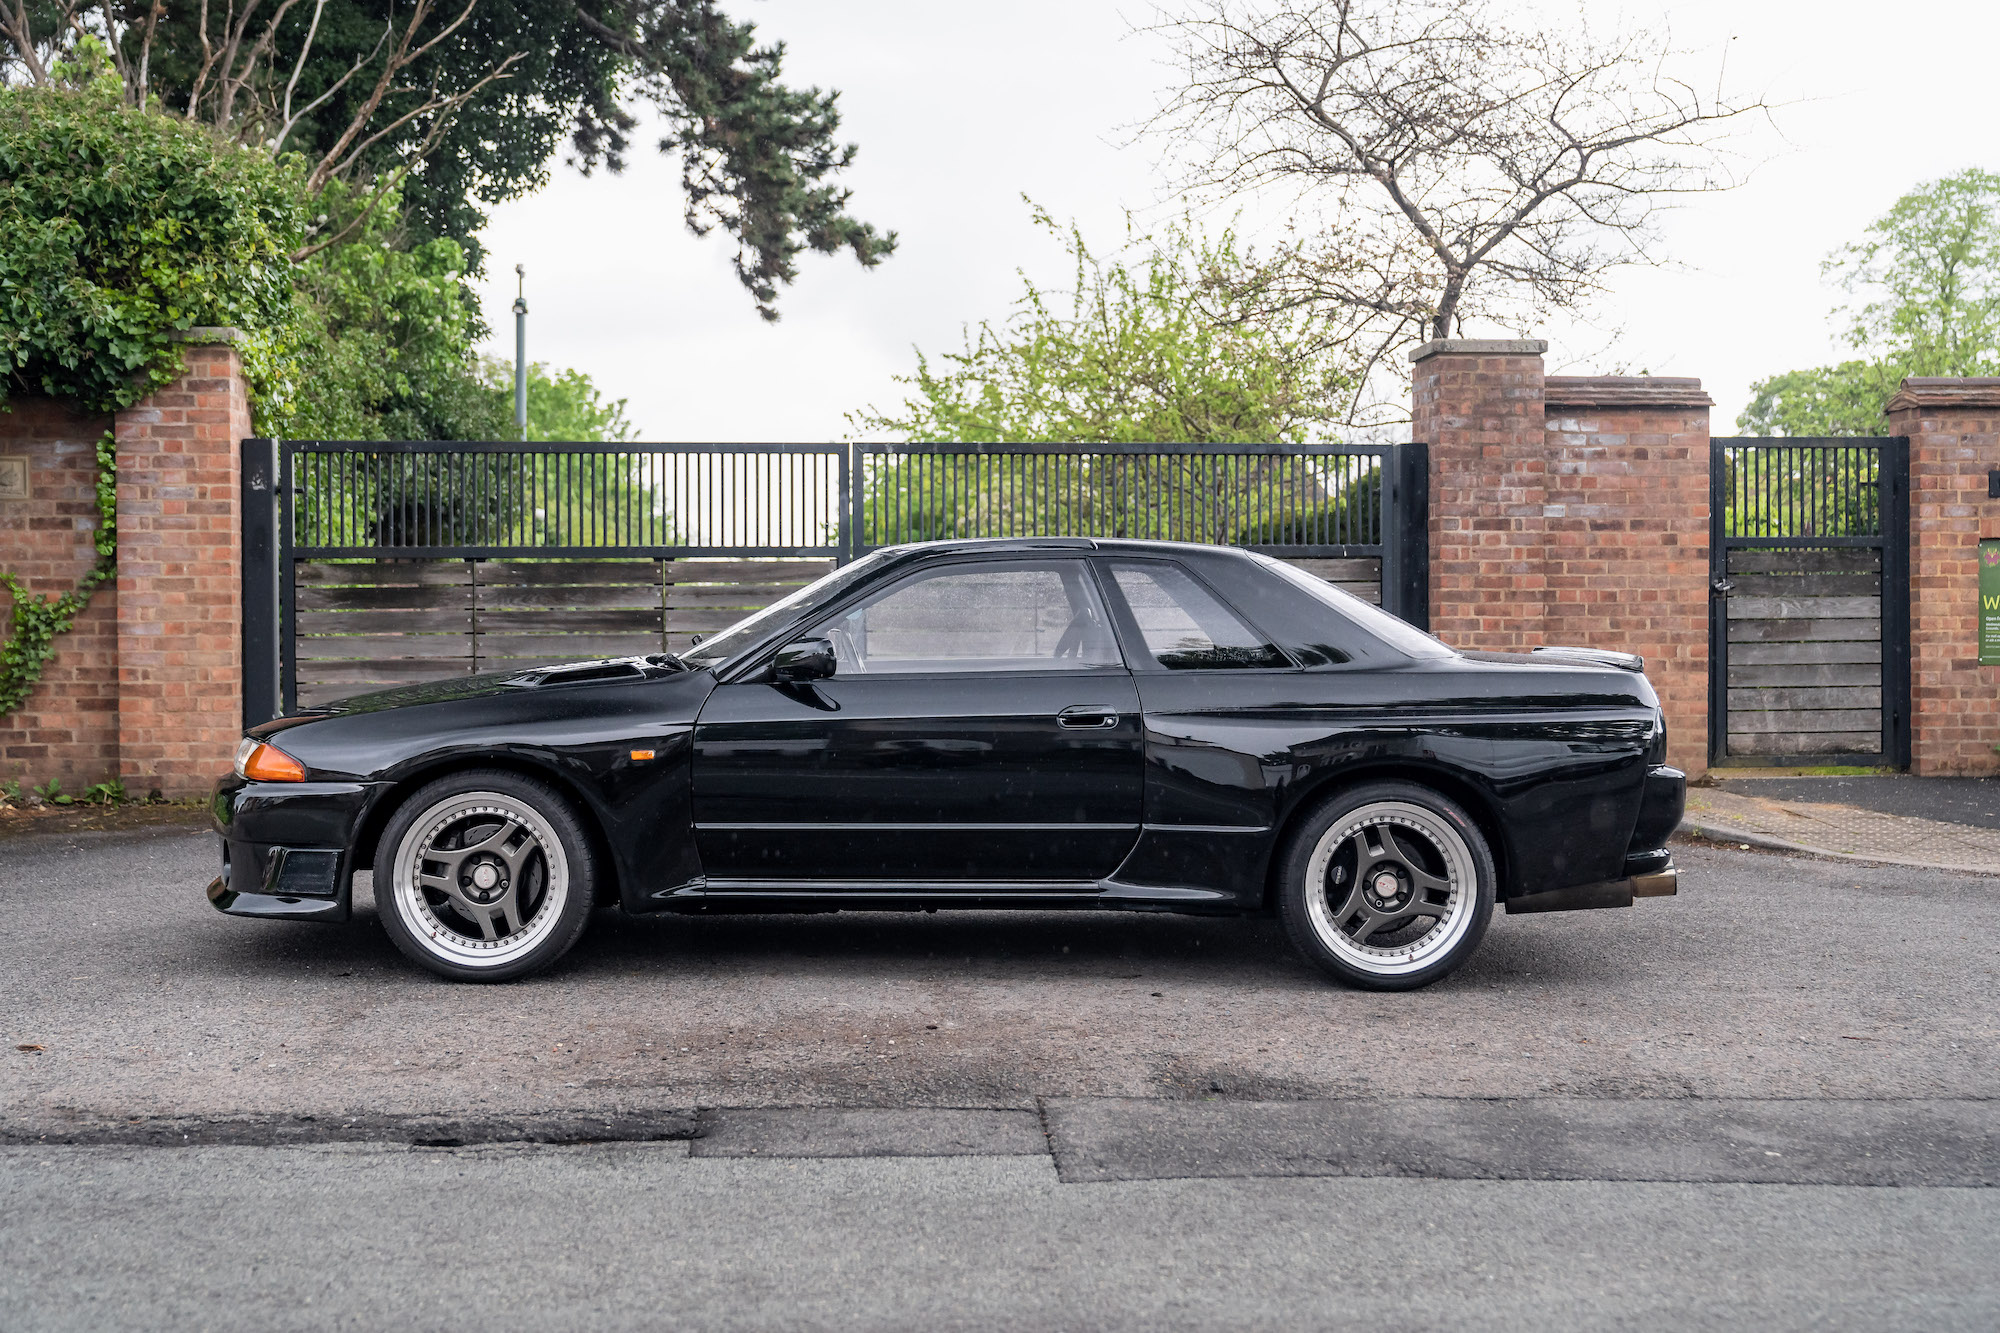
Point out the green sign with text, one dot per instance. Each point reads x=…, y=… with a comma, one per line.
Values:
x=1989, y=603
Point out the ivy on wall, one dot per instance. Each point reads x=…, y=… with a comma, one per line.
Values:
x=119, y=229
x=36, y=621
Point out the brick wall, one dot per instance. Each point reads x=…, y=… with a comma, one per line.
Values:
x=1478, y=404
x=1571, y=511
x=68, y=728
x=180, y=672
x=148, y=685
x=1954, y=431
x=1627, y=535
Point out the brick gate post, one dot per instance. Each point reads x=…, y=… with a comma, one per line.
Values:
x=180, y=673
x=1478, y=404
x=1570, y=510
x=1628, y=538
x=1954, y=431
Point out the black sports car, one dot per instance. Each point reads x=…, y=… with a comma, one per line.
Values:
x=1036, y=723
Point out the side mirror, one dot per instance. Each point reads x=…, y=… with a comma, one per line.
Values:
x=807, y=659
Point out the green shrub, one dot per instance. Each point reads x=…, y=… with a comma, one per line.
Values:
x=120, y=227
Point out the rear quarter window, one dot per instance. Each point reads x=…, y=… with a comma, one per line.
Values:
x=1184, y=626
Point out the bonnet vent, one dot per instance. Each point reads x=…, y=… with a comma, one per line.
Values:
x=577, y=673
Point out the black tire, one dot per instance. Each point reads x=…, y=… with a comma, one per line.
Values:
x=525, y=876
x=1353, y=900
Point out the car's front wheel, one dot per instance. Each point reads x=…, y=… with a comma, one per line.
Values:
x=484, y=876
x=1388, y=886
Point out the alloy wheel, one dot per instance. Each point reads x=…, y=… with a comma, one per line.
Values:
x=481, y=878
x=1390, y=888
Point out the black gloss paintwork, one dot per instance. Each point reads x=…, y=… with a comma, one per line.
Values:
x=892, y=790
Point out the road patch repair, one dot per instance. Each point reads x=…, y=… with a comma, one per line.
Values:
x=1927, y=1143
x=1832, y=817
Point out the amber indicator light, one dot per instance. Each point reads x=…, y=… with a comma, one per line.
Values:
x=640, y=756
x=267, y=763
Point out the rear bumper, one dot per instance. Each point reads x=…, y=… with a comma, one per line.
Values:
x=287, y=847
x=1648, y=871
x=1662, y=882
x=1660, y=808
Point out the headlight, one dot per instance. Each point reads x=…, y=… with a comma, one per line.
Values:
x=260, y=761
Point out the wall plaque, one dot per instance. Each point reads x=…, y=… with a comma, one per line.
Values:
x=1989, y=602
x=13, y=478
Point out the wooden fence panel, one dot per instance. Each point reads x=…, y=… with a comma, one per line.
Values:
x=362, y=626
x=1805, y=652
x=1362, y=577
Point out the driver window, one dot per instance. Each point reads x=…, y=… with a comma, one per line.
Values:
x=979, y=617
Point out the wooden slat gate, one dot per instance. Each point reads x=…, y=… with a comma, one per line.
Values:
x=370, y=565
x=1809, y=652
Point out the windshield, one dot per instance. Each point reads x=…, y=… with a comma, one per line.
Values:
x=1397, y=633
x=720, y=648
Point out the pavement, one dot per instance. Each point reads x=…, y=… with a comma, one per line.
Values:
x=1771, y=1100
x=1944, y=823
x=652, y=1237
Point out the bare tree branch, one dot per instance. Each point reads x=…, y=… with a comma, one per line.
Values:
x=20, y=30
x=1459, y=169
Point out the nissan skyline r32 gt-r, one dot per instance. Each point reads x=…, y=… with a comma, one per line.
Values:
x=1031, y=724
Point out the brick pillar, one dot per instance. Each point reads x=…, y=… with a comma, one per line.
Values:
x=1954, y=431
x=1478, y=404
x=1627, y=531
x=68, y=727
x=180, y=708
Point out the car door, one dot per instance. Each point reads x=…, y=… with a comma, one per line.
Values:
x=980, y=729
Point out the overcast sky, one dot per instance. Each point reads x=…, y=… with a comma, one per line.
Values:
x=959, y=109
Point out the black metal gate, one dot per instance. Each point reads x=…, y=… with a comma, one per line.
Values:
x=367, y=563
x=1809, y=629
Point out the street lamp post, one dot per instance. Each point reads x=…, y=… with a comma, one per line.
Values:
x=521, y=351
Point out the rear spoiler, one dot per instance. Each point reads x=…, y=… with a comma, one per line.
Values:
x=1595, y=656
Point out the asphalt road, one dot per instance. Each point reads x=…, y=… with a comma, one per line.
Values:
x=1775, y=1098
x=631, y=1237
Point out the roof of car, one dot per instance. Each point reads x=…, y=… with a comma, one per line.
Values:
x=1052, y=543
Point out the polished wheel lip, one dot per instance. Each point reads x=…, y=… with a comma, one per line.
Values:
x=446, y=942
x=1458, y=909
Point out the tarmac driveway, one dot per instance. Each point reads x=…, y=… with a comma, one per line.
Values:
x=1768, y=977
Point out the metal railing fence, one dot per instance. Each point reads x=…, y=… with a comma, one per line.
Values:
x=321, y=500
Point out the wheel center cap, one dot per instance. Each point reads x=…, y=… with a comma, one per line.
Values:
x=1386, y=885
x=485, y=876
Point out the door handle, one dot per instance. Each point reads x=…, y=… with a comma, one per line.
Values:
x=1088, y=715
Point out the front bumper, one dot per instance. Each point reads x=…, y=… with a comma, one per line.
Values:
x=287, y=847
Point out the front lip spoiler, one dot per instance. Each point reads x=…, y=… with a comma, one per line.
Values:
x=1611, y=893
x=271, y=907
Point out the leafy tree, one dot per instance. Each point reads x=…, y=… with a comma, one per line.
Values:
x=1842, y=399
x=1156, y=348
x=1923, y=286
x=461, y=106
x=385, y=332
x=118, y=229
x=562, y=405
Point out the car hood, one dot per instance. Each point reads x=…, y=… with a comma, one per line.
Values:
x=627, y=670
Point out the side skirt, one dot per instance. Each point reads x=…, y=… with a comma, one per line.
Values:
x=756, y=895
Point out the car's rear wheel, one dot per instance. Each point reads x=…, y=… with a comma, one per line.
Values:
x=484, y=876
x=1388, y=886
